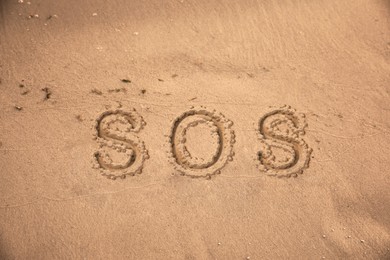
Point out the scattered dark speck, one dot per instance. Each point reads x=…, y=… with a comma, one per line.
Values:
x=47, y=93
x=96, y=91
x=143, y=91
x=161, y=80
x=315, y=115
x=79, y=118
x=21, y=85
x=25, y=92
x=174, y=75
x=192, y=98
x=340, y=115
x=117, y=90
x=251, y=75
x=126, y=80
x=265, y=69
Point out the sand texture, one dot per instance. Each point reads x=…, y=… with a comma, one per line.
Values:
x=194, y=129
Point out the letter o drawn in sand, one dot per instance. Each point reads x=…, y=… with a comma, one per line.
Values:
x=201, y=142
x=120, y=152
x=283, y=152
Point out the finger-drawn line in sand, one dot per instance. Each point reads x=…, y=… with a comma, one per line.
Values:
x=283, y=152
x=219, y=130
x=120, y=151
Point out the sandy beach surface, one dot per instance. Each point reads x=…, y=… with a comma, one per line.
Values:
x=194, y=129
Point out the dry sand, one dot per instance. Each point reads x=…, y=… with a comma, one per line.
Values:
x=206, y=185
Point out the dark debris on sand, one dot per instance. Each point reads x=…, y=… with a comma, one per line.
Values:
x=126, y=80
x=47, y=93
x=117, y=90
x=96, y=91
x=79, y=118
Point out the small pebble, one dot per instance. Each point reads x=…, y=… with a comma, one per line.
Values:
x=94, y=14
x=135, y=33
x=324, y=236
x=362, y=241
x=126, y=80
x=52, y=16
x=33, y=16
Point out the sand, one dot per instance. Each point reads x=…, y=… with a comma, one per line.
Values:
x=194, y=129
